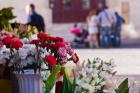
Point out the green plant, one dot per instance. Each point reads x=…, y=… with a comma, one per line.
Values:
x=123, y=87
x=50, y=82
x=6, y=14
x=68, y=86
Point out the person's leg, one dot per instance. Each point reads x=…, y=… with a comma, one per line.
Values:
x=108, y=40
x=91, y=41
x=117, y=37
x=102, y=37
x=96, y=43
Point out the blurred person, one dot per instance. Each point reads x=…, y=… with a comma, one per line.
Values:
x=92, y=29
x=97, y=13
x=85, y=33
x=35, y=19
x=106, y=21
x=77, y=33
x=117, y=32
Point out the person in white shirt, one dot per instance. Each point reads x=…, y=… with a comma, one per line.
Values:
x=92, y=29
x=106, y=20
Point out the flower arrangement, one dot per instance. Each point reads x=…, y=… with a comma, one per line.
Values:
x=92, y=76
x=45, y=49
x=56, y=50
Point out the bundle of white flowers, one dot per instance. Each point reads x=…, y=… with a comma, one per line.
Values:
x=93, y=75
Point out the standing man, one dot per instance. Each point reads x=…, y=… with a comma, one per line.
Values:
x=106, y=20
x=118, y=27
x=35, y=19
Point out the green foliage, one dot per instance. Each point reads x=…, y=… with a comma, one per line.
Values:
x=68, y=86
x=52, y=79
x=6, y=14
x=123, y=87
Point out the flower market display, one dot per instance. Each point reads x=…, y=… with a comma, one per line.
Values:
x=53, y=52
x=36, y=63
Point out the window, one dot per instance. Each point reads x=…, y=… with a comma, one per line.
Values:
x=67, y=4
x=86, y=4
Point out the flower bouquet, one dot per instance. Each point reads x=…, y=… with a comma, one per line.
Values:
x=53, y=52
x=93, y=76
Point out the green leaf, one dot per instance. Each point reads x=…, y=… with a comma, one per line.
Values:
x=123, y=87
x=52, y=79
x=68, y=86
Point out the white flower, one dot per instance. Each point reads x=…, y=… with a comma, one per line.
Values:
x=102, y=74
x=94, y=75
x=98, y=87
x=105, y=67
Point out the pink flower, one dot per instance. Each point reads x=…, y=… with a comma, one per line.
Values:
x=63, y=54
x=68, y=48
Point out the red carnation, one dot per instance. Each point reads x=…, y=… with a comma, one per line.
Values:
x=43, y=45
x=59, y=44
x=42, y=35
x=51, y=60
x=52, y=38
x=56, y=39
x=56, y=46
x=36, y=41
x=59, y=39
x=7, y=40
x=16, y=43
x=75, y=58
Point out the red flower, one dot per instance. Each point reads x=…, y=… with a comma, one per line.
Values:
x=7, y=40
x=56, y=46
x=56, y=39
x=51, y=60
x=43, y=45
x=16, y=43
x=59, y=44
x=36, y=41
x=59, y=39
x=75, y=58
x=42, y=35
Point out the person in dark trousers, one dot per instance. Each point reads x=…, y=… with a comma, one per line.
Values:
x=34, y=19
x=117, y=32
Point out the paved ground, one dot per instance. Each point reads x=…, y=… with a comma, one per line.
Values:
x=127, y=60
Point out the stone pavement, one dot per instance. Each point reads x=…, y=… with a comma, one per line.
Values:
x=127, y=60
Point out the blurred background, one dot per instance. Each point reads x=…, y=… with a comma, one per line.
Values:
x=61, y=15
